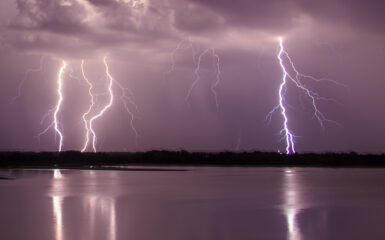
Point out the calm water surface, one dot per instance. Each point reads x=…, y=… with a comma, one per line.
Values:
x=204, y=203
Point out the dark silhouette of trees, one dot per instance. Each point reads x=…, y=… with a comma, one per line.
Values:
x=73, y=159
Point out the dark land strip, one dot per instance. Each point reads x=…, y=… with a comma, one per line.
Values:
x=115, y=161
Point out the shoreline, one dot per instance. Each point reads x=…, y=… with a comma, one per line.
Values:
x=155, y=159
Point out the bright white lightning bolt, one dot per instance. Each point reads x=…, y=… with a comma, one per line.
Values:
x=312, y=96
x=59, y=104
x=55, y=111
x=282, y=90
x=106, y=107
x=125, y=98
x=89, y=109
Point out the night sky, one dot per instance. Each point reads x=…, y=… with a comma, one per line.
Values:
x=338, y=40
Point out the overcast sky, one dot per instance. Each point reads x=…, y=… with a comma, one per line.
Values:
x=153, y=49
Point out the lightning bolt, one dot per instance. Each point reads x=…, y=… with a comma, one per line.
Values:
x=110, y=80
x=197, y=62
x=197, y=76
x=173, y=53
x=126, y=100
x=311, y=95
x=59, y=104
x=218, y=79
x=290, y=145
x=26, y=77
x=55, y=111
x=86, y=126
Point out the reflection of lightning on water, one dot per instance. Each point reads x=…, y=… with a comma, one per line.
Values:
x=57, y=202
x=55, y=111
x=97, y=207
x=291, y=202
x=310, y=94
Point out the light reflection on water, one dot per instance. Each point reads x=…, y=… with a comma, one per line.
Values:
x=292, y=203
x=206, y=203
x=98, y=207
x=57, y=202
x=104, y=207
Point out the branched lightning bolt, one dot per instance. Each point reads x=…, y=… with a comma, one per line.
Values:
x=85, y=115
x=176, y=49
x=290, y=146
x=26, y=76
x=55, y=111
x=197, y=63
x=126, y=100
x=197, y=76
x=59, y=104
x=106, y=107
x=311, y=95
x=172, y=67
x=218, y=79
x=196, y=72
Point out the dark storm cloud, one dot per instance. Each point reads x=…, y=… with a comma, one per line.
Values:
x=365, y=15
x=96, y=24
x=76, y=25
x=47, y=15
x=273, y=15
x=195, y=18
x=41, y=23
x=262, y=14
x=103, y=2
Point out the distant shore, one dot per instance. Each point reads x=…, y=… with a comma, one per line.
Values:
x=73, y=159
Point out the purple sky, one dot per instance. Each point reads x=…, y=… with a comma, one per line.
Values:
x=340, y=40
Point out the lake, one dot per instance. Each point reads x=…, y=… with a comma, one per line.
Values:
x=200, y=203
